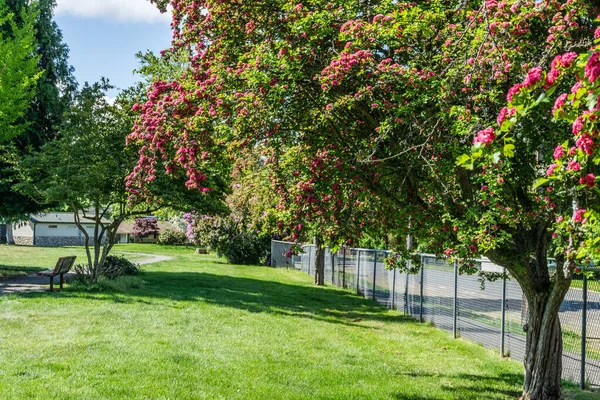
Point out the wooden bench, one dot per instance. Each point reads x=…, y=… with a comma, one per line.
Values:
x=63, y=266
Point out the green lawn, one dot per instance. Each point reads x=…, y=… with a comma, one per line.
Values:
x=24, y=260
x=201, y=329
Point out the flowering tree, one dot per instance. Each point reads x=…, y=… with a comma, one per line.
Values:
x=145, y=226
x=565, y=192
x=365, y=108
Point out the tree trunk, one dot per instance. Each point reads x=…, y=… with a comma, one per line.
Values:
x=543, y=359
x=9, y=233
x=319, y=262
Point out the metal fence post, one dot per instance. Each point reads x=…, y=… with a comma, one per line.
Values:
x=503, y=316
x=374, y=274
x=332, y=268
x=344, y=268
x=272, y=252
x=455, y=303
x=393, y=289
x=358, y=273
x=583, y=331
x=421, y=291
x=406, y=310
x=309, y=257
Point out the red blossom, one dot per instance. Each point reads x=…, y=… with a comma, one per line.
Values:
x=559, y=152
x=589, y=180
x=586, y=144
x=579, y=215
x=573, y=166
x=485, y=136
x=592, y=68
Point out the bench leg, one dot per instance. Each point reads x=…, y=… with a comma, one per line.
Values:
x=62, y=280
x=52, y=284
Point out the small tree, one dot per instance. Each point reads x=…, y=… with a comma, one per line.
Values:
x=87, y=169
x=144, y=227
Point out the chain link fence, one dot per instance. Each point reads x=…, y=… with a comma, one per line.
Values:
x=490, y=313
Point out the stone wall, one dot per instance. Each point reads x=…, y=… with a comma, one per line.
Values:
x=51, y=241
x=58, y=241
x=23, y=240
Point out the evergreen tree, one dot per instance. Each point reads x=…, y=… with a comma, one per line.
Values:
x=53, y=95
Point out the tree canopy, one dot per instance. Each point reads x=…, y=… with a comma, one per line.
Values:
x=44, y=110
x=19, y=71
x=364, y=110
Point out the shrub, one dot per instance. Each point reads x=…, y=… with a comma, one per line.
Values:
x=172, y=236
x=121, y=284
x=116, y=266
x=229, y=239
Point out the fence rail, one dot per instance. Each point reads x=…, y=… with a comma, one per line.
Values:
x=492, y=314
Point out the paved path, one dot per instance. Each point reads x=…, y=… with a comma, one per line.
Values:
x=33, y=283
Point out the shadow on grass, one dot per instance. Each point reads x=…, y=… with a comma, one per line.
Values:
x=471, y=386
x=10, y=271
x=253, y=295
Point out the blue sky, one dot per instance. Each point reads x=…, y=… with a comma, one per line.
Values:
x=104, y=35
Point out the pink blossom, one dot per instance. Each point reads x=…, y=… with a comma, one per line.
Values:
x=560, y=219
x=559, y=103
x=551, y=78
x=573, y=166
x=592, y=68
x=589, y=180
x=585, y=143
x=567, y=59
x=551, y=169
x=559, y=152
x=597, y=33
x=533, y=77
x=578, y=85
x=577, y=125
x=136, y=107
x=512, y=91
x=578, y=217
x=485, y=136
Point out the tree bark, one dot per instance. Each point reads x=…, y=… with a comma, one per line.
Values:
x=543, y=359
x=9, y=233
x=319, y=262
x=544, y=291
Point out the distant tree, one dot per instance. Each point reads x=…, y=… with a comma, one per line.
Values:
x=145, y=226
x=87, y=168
x=52, y=96
x=19, y=70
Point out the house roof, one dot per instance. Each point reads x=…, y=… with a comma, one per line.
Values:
x=60, y=218
x=126, y=227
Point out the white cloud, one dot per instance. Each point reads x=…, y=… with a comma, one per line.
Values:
x=119, y=10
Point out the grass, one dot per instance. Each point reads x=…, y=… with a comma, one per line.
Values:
x=26, y=260
x=197, y=328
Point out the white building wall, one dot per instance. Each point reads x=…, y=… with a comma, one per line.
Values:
x=23, y=229
x=61, y=230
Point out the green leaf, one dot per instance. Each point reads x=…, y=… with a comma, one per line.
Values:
x=540, y=99
x=509, y=150
x=551, y=91
x=540, y=182
x=463, y=159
